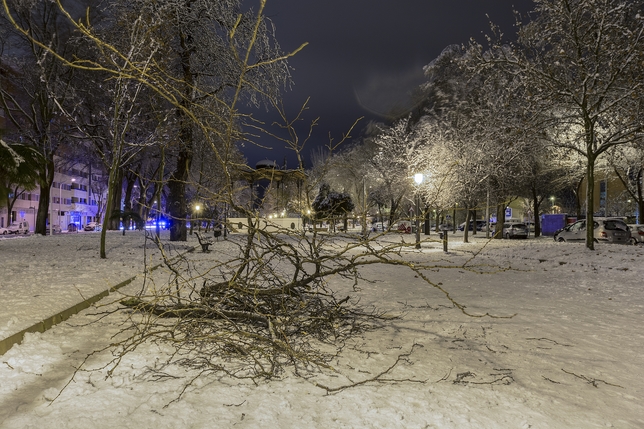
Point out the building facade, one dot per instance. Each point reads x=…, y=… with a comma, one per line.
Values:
x=71, y=204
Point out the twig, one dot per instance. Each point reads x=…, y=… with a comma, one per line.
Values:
x=548, y=339
x=593, y=381
x=460, y=379
x=378, y=378
x=445, y=377
x=552, y=381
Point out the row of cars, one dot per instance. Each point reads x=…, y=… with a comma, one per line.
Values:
x=23, y=228
x=91, y=226
x=510, y=229
x=605, y=230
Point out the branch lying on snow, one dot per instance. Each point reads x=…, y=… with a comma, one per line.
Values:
x=593, y=381
x=550, y=380
x=447, y=295
x=378, y=378
x=548, y=339
x=502, y=378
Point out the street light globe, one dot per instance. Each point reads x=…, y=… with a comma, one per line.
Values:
x=197, y=207
x=418, y=178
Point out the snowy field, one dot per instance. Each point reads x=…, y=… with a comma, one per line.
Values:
x=571, y=357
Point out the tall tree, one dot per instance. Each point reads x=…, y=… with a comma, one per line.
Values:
x=35, y=100
x=200, y=42
x=582, y=62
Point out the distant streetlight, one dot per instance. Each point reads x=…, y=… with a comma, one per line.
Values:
x=418, y=178
x=197, y=208
x=552, y=204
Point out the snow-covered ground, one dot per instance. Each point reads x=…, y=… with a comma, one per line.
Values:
x=41, y=276
x=571, y=357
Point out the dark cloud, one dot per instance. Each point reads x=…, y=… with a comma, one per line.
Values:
x=365, y=57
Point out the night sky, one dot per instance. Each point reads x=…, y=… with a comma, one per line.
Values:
x=366, y=56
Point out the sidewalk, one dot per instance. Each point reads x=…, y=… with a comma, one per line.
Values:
x=44, y=280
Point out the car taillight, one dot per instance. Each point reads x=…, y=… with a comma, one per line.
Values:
x=640, y=232
x=603, y=235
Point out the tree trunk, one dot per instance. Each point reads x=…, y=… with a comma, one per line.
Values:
x=590, y=200
x=578, y=194
x=113, y=184
x=45, y=180
x=466, y=228
x=473, y=218
x=114, y=192
x=535, y=211
x=177, y=205
x=500, y=220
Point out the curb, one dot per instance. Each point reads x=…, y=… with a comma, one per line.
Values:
x=43, y=325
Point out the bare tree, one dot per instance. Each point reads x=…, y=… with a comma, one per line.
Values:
x=35, y=97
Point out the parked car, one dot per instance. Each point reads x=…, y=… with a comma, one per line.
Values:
x=637, y=234
x=92, y=226
x=606, y=230
x=72, y=227
x=16, y=228
x=480, y=225
x=612, y=230
x=515, y=230
x=403, y=226
x=56, y=229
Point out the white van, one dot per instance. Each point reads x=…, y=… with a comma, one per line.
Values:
x=21, y=227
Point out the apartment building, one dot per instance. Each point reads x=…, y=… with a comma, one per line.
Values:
x=72, y=205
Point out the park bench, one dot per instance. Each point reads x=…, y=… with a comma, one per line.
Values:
x=204, y=242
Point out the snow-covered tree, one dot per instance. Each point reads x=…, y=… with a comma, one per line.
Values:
x=397, y=156
x=627, y=163
x=581, y=62
x=485, y=138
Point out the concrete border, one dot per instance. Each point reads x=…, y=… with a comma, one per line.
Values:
x=43, y=325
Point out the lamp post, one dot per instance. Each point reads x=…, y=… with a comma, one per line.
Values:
x=60, y=200
x=552, y=204
x=418, y=178
x=32, y=210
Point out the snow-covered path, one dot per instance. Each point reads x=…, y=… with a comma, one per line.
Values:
x=41, y=276
x=571, y=357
